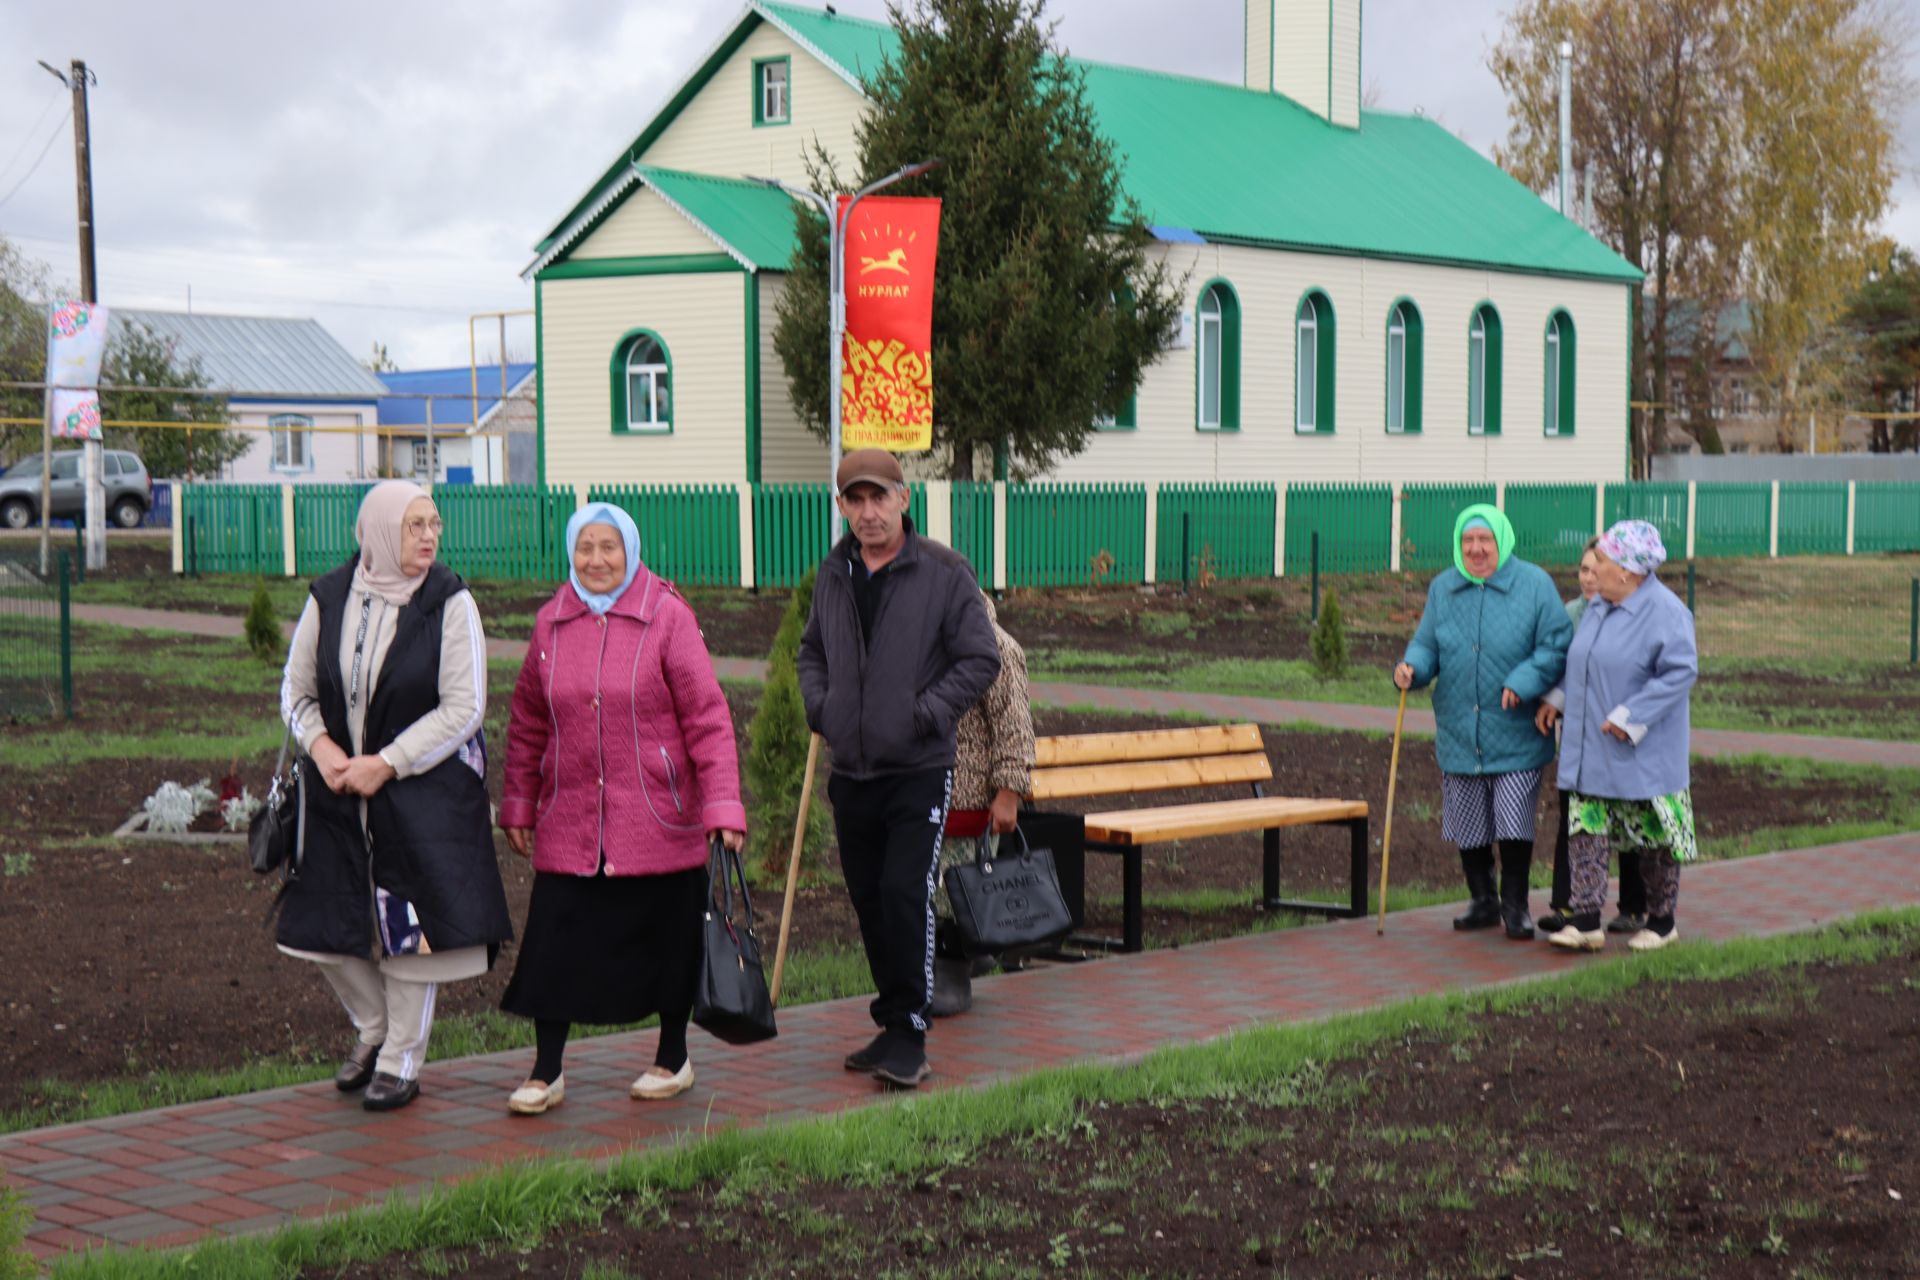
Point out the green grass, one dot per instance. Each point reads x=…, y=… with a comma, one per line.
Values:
x=522, y=1205
x=810, y=976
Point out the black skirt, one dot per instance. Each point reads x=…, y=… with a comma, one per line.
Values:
x=609, y=949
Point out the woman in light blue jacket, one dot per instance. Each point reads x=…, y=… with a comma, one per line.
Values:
x=1494, y=635
x=1623, y=752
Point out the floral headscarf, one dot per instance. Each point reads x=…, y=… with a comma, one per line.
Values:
x=1635, y=546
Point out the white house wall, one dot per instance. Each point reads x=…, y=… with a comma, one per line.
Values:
x=714, y=133
x=644, y=225
x=701, y=318
x=788, y=451
x=336, y=456
x=1269, y=284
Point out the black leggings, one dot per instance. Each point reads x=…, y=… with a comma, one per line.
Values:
x=550, y=1043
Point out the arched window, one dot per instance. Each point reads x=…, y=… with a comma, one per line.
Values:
x=1559, y=374
x=1406, y=367
x=1483, y=372
x=1217, y=340
x=1313, y=350
x=1128, y=416
x=642, y=384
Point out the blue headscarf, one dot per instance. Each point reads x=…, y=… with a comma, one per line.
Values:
x=603, y=513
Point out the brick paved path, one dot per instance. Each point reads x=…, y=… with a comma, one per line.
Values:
x=244, y=1164
x=1224, y=707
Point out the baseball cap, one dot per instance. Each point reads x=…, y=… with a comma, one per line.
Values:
x=868, y=466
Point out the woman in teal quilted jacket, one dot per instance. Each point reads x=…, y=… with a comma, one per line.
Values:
x=1493, y=639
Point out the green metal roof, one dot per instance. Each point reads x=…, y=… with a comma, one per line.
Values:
x=1241, y=166
x=751, y=221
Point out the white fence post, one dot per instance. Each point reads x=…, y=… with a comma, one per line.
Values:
x=1599, y=508
x=939, y=512
x=289, y=557
x=1500, y=495
x=1852, y=512
x=179, y=526
x=1393, y=549
x=1279, y=530
x=1773, y=523
x=746, y=534
x=1153, y=531
x=999, y=535
x=1693, y=513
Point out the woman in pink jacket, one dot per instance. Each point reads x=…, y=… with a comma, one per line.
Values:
x=620, y=767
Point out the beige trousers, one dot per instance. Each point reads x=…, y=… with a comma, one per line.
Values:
x=387, y=1011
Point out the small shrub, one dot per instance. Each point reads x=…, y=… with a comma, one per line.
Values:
x=263, y=629
x=777, y=740
x=1330, y=639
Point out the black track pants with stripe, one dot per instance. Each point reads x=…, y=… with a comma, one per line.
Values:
x=889, y=831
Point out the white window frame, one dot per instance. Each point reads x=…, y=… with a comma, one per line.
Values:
x=1553, y=375
x=1211, y=339
x=656, y=375
x=1477, y=373
x=292, y=434
x=1306, y=367
x=1397, y=370
x=770, y=90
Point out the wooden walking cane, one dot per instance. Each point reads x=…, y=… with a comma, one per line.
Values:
x=1386, y=840
x=793, y=869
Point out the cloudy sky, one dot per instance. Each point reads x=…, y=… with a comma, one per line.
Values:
x=386, y=167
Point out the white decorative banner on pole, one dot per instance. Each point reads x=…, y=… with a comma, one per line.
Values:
x=76, y=344
x=76, y=414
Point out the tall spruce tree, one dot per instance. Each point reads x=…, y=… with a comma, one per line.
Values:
x=1048, y=306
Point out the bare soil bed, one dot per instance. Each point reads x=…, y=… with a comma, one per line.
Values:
x=1690, y=1129
x=125, y=957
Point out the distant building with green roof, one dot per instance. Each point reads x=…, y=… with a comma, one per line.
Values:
x=1368, y=297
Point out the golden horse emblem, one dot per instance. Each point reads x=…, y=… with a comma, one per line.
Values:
x=895, y=261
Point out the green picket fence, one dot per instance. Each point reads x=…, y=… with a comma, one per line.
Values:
x=1551, y=522
x=1428, y=513
x=234, y=528
x=689, y=533
x=1729, y=520
x=511, y=532
x=1067, y=534
x=1224, y=529
x=1661, y=503
x=790, y=530
x=1813, y=518
x=1354, y=523
x=1886, y=517
x=972, y=531
x=323, y=516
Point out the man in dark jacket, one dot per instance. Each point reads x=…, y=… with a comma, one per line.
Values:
x=896, y=650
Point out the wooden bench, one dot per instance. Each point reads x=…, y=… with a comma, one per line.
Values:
x=1079, y=766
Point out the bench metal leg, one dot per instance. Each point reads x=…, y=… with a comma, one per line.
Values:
x=1357, y=831
x=1270, y=865
x=1356, y=904
x=1132, y=929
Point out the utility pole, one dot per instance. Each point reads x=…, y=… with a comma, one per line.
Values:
x=77, y=79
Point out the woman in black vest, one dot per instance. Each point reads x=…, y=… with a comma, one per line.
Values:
x=397, y=889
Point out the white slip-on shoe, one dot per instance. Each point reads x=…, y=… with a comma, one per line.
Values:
x=652, y=1088
x=1573, y=939
x=1648, y=940
x=533, y=1097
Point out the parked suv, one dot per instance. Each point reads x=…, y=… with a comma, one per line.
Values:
x=129, y=489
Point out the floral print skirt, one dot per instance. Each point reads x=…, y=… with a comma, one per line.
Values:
x=1664, y=822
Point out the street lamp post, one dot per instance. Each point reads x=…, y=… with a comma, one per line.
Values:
x=837, y=303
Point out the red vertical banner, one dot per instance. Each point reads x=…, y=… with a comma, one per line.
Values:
x=886, y=372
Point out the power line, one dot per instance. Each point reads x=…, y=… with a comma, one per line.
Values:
x=26, y=135
x=36, y=161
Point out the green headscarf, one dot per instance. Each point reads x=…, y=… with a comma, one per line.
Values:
x=1502, y=535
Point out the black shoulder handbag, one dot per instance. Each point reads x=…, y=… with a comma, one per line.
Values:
x=1009, y=905
x=731, y=1002
x=277, y=832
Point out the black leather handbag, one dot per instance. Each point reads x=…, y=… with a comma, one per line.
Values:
x=277, y=832
x=1011, y=905
x=731, y=1002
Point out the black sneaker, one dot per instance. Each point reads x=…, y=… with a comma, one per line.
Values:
x=867, y=1059
x=904, y=1065
x=1626, y=923
x=1554, y=921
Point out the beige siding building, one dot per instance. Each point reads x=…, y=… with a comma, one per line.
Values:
x=1368, y=298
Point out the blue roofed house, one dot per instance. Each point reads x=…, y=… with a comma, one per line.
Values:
x=306, y=405
x=479, y=435
x=1368, y=298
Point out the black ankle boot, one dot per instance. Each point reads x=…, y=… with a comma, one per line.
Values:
x=1484, y=911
